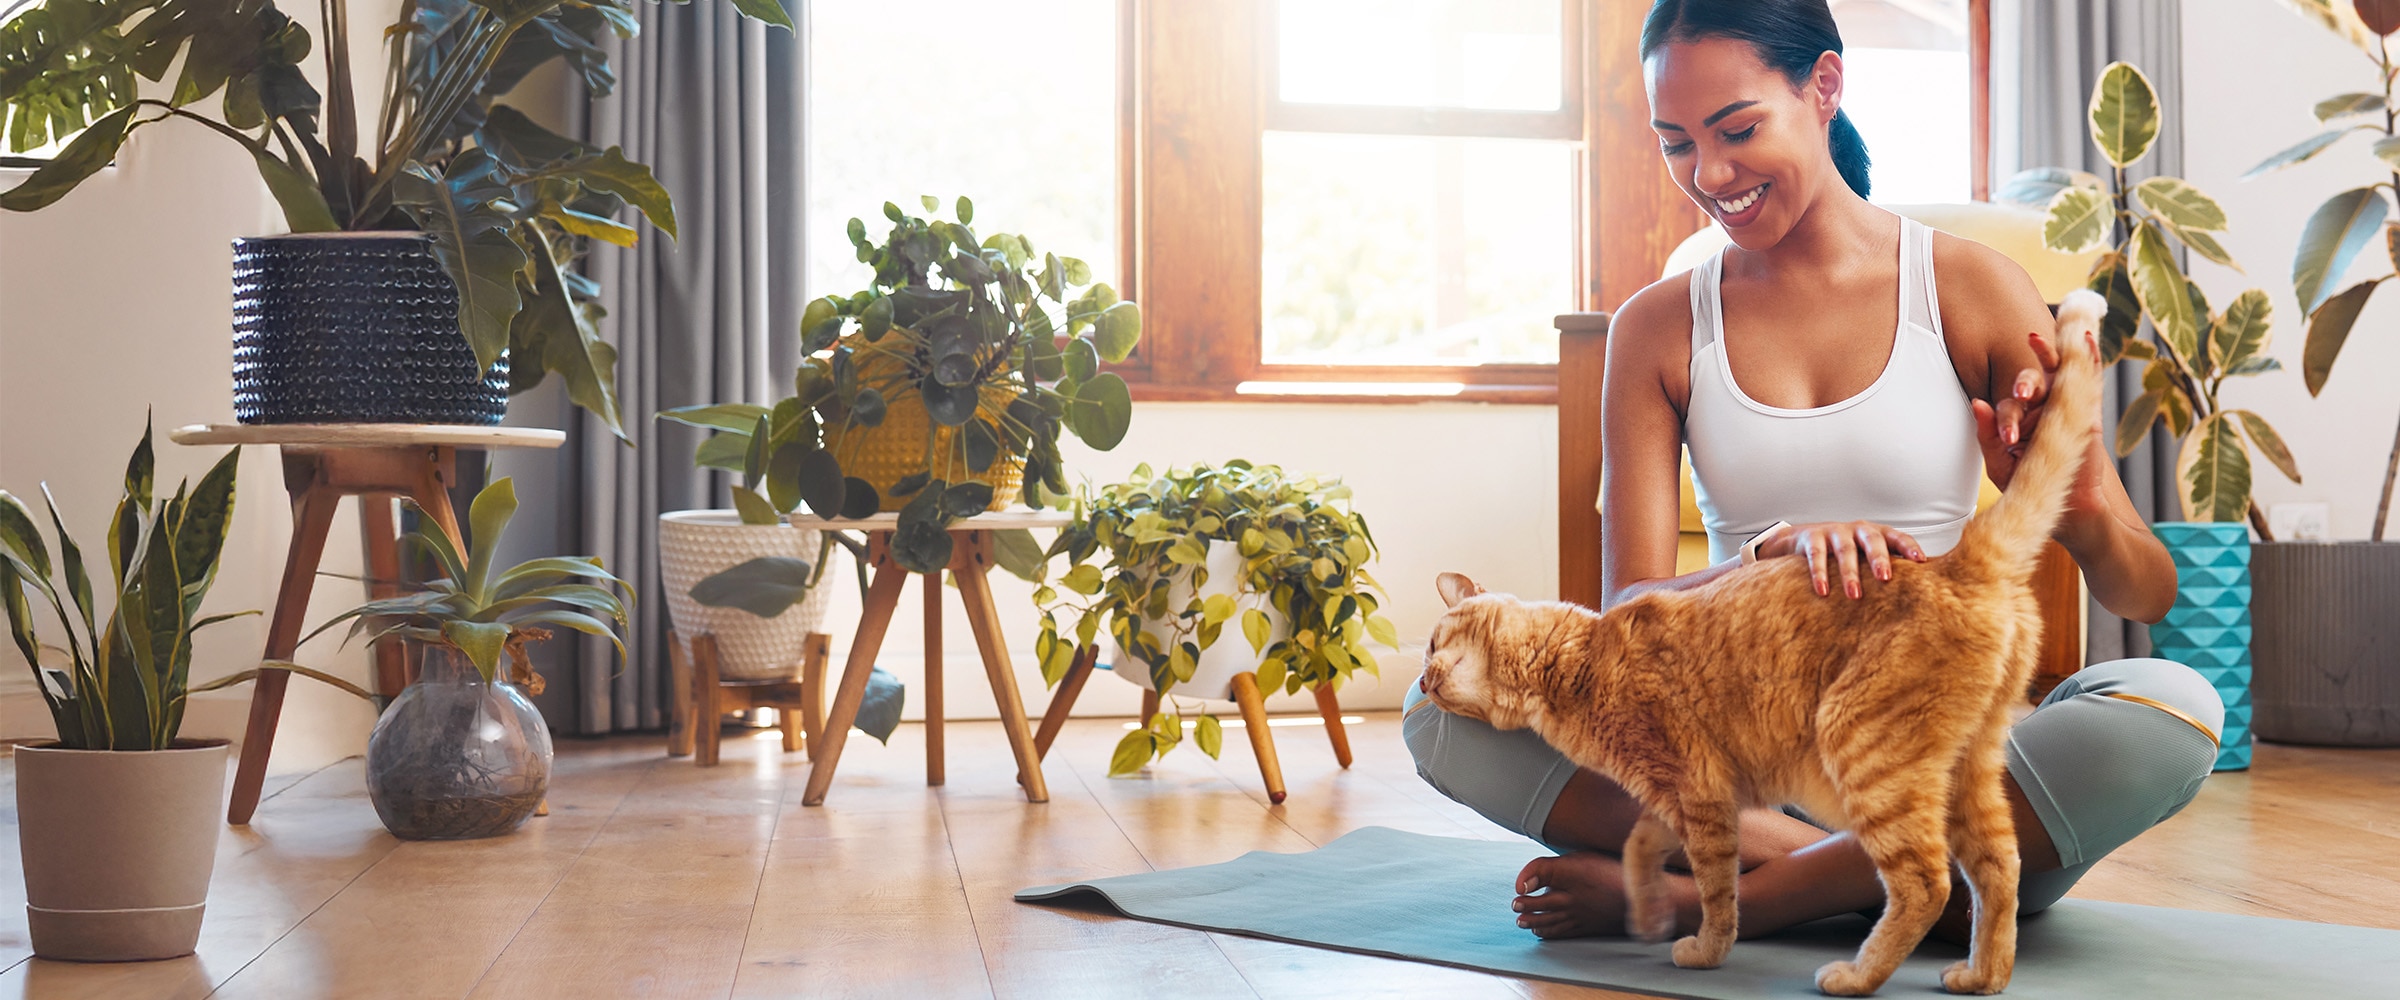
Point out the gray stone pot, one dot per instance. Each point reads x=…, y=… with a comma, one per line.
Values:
x=2325, y=620
x=118, y=847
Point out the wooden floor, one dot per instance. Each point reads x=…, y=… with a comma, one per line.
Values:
x=655, y=878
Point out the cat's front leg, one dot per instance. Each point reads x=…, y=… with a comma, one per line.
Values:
x=1712, y=841
x=1649, y=913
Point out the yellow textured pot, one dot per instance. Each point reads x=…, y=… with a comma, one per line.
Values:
x=895, y=449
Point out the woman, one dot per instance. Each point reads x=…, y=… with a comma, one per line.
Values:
x=1838, y=403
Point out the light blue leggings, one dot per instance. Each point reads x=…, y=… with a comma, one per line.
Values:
x=2113, y=751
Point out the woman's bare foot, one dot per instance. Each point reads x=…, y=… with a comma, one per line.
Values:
x=1583, y=895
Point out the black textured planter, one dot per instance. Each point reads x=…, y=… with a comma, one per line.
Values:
x=353, y=328
x=2325, y=642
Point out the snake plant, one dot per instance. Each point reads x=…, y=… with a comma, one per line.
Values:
x=125, y=678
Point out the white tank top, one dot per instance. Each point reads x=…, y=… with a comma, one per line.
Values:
x=1902, y=452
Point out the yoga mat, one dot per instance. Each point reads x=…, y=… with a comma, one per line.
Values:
x=1445, y=901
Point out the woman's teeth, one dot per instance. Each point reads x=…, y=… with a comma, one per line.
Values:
x=1742, y=204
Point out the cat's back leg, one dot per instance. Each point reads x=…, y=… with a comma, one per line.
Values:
x=1983, y=834
x=1895, y=782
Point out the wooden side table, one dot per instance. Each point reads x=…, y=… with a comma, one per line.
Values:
x=322, y=463
x=970, y=563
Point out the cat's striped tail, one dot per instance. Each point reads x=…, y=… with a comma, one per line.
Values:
x=2006, y=539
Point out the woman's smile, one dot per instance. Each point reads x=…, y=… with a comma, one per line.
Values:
x=1741, y=209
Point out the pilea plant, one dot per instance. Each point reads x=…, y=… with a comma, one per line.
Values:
x=1136, y=561
x=2195, y=350
x=2346, y=222
x=509, y=205
x=950, y=355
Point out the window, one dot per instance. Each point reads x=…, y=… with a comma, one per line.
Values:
x=1014, y=105
x=1418, y=174
x=1911, y=91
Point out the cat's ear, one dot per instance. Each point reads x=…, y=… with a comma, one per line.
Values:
x=1455, y=587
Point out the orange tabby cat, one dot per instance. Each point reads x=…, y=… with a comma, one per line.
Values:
x=1883, y=716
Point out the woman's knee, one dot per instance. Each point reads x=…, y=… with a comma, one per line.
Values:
x=2164, y=682
x=1510, y=777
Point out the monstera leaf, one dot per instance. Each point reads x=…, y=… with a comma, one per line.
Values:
x=466, y=213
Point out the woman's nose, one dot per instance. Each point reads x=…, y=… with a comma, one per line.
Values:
x=1711, y=175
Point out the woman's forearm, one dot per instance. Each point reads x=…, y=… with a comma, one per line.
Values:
x=2126, y=567
x=1687, y=581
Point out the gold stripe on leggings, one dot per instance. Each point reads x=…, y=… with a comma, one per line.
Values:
x=2170, y=710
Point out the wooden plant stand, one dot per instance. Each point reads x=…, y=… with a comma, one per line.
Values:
x=322, y=463
x=799, y=704
x=1246, y=695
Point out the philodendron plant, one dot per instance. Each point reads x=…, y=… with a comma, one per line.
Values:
x=2347, y=222
x=124, y=678
x=1304, y=555
x=2195, y=350
x=954, y=326
x=509, y=205
x=489, y=614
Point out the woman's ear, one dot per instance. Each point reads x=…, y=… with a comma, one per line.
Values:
x=1823, y=88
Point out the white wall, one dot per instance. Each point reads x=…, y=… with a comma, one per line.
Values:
x=2252, y=70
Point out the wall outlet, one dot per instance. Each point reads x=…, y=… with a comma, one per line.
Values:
x=2299, y=522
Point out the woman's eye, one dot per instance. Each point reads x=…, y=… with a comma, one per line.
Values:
x=1740, y=136
x=1673, y=148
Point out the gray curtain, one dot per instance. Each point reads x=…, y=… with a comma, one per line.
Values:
x=712, y=102
x=2047, y=56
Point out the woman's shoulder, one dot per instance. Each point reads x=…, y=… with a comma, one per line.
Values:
x=1977, y=280
x=1658, y=316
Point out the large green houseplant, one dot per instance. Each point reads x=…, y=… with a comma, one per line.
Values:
x=2193, y=350
x=1138, y=561
x=952, y=334
x=118, y=817
x=509, y=206
x=2322, y=628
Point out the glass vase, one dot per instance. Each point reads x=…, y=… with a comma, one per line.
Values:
x=456, y=757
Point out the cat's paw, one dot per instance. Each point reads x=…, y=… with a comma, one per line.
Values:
x=1694, y=953
x=1961, y=977
x=1649, y=914
x=1846, y=979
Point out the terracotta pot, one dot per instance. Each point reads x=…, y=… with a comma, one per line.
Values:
x=118, y=847
x=696, y=544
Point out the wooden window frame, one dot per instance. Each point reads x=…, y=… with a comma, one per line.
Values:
x=1196, y=82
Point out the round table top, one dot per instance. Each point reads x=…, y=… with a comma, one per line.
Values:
x=369, y=435
x=1014, y=517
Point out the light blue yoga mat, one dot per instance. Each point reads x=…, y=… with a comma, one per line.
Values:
x=1445, y=901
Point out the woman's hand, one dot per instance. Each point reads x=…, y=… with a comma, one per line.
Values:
x=1843, y=547
x=2004, y=431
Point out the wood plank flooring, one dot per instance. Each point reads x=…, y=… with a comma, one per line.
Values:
x=655, y=878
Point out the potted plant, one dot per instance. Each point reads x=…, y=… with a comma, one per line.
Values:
x=940, y=390
x=2192, y=353
x=1165, y=561
x=462, y=753
x=117, y=817
x=2322, y=623
x=456, y=216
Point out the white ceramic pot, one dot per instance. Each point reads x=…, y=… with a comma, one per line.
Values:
x=696, y=544
x=118, y=848
x=1231, y=653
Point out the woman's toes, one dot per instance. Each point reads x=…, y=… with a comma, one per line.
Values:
x=1535, y=875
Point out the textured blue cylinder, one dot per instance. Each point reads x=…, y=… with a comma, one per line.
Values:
x=2208, y=630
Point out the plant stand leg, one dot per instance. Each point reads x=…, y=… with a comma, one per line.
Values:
x=708, y=724
x=382, y=543
x=812, y=691
x=968, y=568
x=1331, y=708
x=1262, y=742
x=934, y=750
x=681, y=726
x=1069, y=688
x=1149, y=706
x=883, y=597
x=312, y=517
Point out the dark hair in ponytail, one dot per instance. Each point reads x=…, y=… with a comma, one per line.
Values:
x=1789, y=36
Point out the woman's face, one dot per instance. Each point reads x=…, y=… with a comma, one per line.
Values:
x=1739, y=139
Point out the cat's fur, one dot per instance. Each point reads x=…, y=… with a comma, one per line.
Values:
x=1884, y=716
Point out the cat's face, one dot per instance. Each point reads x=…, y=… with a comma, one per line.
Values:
x=1475, y=662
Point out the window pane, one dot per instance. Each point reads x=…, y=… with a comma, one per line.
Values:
x=1012, y=104
x=1907, y=90
x=1493, y=54
x=1410, y=250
